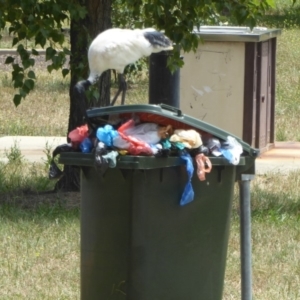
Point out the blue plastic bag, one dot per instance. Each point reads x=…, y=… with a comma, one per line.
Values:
x=188, y=193
x=86, y=145
x=106, y=135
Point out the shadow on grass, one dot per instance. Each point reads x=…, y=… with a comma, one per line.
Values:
x=49, y=206
x=273, y=195
x=275, y=205
x=277, y=194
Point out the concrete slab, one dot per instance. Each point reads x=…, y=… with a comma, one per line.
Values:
x=283, y=158
x=32, y=147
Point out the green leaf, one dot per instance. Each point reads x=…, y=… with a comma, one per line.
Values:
x=31, y=62
x=18, y=81
x=17, y=68
x=17, y=99
x=40, y=39
x=34, y=52
x=31, y=75
x=66, y=51
x=28, y=85
x=23, y=92
x=9, y=60
x=26, y=63
x=15, y=41
x=271, y=3
x=11, y=29
x=50, y=52
x=21, y=35
x=50, y=68
x=65, y=72
x=20, y=48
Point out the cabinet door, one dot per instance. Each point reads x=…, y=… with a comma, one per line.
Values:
x=264, y=97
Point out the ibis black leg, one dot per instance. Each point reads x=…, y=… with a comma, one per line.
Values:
x=245, y=234
x=122, y=88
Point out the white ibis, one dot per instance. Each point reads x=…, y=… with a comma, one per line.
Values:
x=116, y=48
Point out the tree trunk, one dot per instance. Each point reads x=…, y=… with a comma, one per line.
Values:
x=82, y=32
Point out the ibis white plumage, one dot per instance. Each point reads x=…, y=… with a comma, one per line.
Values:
x=116, y=48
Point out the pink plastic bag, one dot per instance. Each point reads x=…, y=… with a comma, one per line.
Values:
x=79, y=134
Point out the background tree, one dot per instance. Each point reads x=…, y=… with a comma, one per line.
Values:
x=82, y=31
x=42, y=22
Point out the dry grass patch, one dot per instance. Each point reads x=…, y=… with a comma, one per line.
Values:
x=39, y=253
x=288, y=86
x=276, y=267
x=275, y=202
x=45, y=111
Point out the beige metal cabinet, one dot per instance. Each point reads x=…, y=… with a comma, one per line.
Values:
x=230, y=82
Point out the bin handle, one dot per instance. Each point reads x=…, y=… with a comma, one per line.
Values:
x=172, y=108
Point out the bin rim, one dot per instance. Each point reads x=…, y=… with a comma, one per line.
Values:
x=141, y=162
x=172, y=113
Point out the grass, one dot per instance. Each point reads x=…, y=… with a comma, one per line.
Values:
x=275, y=239
x=39, y=232
x=39, y=250
x=39, y=253
x=45, y=111
x=275, y=248
x=288, y=86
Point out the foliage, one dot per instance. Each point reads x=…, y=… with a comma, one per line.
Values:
x=41, y=21
x=285, y=15
x=180, y=18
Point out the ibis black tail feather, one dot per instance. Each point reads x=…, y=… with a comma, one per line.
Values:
x=82, y=86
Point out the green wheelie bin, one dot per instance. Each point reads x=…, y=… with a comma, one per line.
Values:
x=137, y=242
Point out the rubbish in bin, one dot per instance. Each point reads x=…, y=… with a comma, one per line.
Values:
x=106, y=135
x=86, y=145
x=150, y=133
x=140, y=139
x=78, y=135
x=203, y=166
x=131, y=134
x=231, y=150
x=189, y=138
x=188, y=193
x=214, y=145
x=111, y=158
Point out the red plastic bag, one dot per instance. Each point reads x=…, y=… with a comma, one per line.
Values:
x=136, y=146
x=79, y=134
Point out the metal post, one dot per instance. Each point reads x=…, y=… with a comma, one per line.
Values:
x=245, y=234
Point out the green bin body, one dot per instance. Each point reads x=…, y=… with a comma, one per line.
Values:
x=138, y=243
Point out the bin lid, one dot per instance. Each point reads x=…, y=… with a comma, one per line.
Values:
x=165, y=115
x=236, y=33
